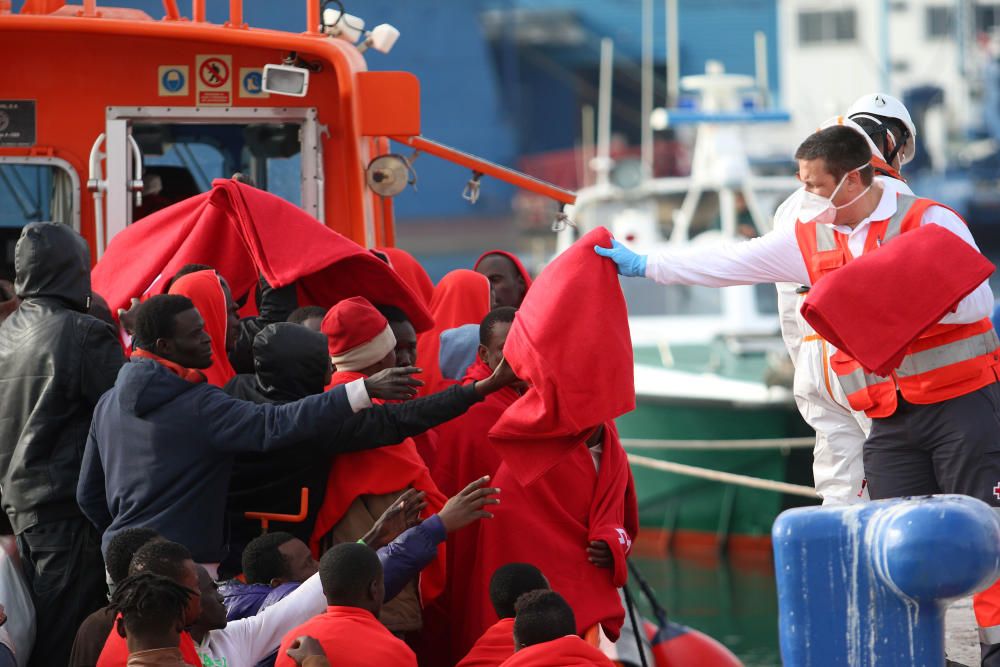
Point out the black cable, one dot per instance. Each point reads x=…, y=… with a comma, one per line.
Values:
x=658, y=610
x=630, y=603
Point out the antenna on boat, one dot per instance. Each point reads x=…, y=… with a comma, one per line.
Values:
x=602, y=163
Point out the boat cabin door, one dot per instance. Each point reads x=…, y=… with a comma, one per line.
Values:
x=157, y=156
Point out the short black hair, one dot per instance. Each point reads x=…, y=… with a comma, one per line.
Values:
x=123, y=547
x=155, y=318
x=542, y=616
x=161, y=557
x=300, y=315
x=150, y=603
x=841, y=149
x=186, y=269
x=511, y=581
x=262, y=561
x=392, y=313
x=496, y=316
x=346, y=570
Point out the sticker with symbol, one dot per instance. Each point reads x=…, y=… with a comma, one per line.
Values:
x=214, y=82
x=172, y=80
x=251, y=82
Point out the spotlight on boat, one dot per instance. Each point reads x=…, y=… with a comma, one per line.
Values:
x=285, y=80
x=340, y=24
x=659, y=119
x=381, y=38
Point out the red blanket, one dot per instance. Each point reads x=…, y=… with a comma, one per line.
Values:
x=570, y=651
x=495, y=646
x=115, y=652
x=867, y=307
x=242, y=232
x=551, y=522
x=351, y=637
x=380, y=471
x=525, y=276
x=412, y=273
x=462, y=297
x=554, y=331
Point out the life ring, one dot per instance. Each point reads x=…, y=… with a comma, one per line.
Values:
x=677, y=645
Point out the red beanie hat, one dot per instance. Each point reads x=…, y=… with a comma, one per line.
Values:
x=357, y=335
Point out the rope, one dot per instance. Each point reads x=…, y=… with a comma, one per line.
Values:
x=720, y=476
x=753, y=443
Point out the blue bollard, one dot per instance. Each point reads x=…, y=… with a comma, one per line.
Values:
x=868, y=585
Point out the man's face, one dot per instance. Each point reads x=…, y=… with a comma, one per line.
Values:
x=213, y=611
x=406, y=343
x=816, y=178
x=507, y=284
x=492, y=352
x=301, y=564
x=191, y=345
x=191, y=581
x=232, y=316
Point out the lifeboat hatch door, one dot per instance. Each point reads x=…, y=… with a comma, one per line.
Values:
x=181, y=150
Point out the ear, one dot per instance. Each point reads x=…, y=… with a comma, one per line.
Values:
x=120, y=626
x=275, y=582
x=483, y=353
x=373, y=590
x=163, y=347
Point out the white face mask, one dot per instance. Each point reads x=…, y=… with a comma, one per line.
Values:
x=822, y=210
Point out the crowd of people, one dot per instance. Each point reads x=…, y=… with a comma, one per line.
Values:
x=135, y=446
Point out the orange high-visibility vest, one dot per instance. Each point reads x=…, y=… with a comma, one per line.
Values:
x=944, y=362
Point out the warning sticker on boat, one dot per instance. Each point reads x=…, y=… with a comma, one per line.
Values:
x=251, y=82
x=173, y=80
x=17, y=122
x=214, y=82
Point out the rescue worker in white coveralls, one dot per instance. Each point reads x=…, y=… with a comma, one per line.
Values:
x=919, y=443
x=838, y=471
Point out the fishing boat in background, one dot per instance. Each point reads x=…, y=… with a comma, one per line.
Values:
x=709, y=363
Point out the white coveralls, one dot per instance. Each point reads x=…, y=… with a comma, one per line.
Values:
x=840, y=432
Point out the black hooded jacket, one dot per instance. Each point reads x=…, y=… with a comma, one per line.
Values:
x=291, y=362
x=55, y=362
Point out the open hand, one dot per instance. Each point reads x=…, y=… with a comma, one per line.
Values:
x=394, y=384
x=304, y=647
x=599, y=553
x=404, y=513
x=467, y=505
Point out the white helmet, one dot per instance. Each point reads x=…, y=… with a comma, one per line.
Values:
x=876, y=106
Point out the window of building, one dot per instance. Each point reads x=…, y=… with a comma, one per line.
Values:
x=987, y=16
x=819, y=27
x=940, y=22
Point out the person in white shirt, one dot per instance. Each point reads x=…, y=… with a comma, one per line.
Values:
x=923, y=445
x=838, y=471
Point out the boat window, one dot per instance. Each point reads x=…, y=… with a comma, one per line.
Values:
x=181, y=160
x=32, y=193
x=648, y=299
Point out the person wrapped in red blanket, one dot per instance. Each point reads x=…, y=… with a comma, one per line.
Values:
x=565, y=478
x=362, y=485
x=508, y=277
x=544, y=637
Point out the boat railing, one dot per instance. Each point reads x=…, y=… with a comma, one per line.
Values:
x=724, y=477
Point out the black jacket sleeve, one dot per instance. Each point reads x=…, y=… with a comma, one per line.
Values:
x=275, y=304
x=392, y=423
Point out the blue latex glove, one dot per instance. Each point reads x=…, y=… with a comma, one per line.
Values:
x=629, y=264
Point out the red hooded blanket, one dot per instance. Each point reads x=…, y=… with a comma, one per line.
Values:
x=376, y=472
x=570, y=651
x=412, y=273
x=351, y=637
x=495, y=646
x=867, y=307
x=462, y=297
x=242, y=232
x=525, y=276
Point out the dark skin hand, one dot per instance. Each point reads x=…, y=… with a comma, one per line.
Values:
x=599, y=553
x=127, y=317
x=469, y=505
x=304, y=647
x=404, y=513
x=394, y=384
x=503, y=376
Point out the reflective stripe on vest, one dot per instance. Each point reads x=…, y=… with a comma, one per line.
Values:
x=945, y=362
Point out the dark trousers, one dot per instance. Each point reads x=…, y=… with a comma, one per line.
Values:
x=947, y=447
x=65, y=571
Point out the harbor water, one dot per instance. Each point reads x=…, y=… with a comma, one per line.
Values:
x=733, y=601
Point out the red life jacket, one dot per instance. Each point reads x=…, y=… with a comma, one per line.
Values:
x=944, y=362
